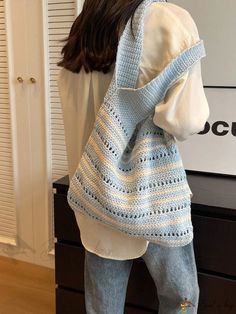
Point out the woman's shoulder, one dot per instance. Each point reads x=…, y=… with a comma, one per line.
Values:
x=169, y=8
x=173, y=19
x=168, y=30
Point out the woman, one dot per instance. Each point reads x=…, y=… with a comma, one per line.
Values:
x=89, y=57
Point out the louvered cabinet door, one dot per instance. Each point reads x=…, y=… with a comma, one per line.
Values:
x=60, y=16
x=7, y=190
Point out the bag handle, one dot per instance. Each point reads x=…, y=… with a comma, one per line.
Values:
x=130, y=49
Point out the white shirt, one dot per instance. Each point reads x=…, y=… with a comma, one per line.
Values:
x=168, y=30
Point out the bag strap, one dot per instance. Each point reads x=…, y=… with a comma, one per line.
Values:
x=126, y=72
x=130, y=48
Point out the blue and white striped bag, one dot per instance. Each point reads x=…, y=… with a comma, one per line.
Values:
x=130, y=175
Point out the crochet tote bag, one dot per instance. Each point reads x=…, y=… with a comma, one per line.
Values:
x=130, y=176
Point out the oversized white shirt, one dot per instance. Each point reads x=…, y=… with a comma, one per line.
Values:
x=168, y=30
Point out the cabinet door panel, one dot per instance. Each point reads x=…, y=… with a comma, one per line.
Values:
x=214, y=244
x=69, y=266
x=65, y=225
x=217, y=295
x=69, y=302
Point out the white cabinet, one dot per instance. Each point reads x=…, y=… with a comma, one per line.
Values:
x=33, y=152
x=27, y=119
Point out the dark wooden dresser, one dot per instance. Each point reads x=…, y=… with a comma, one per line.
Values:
x=214, y=222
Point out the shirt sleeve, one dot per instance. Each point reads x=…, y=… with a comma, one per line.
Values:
x=184, y=110
x=168, y=31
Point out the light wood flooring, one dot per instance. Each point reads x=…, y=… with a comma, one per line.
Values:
x=26, y=288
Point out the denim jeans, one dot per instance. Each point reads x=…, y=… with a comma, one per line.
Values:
x=173, y=270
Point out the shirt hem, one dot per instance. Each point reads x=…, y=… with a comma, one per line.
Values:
x=116, y=257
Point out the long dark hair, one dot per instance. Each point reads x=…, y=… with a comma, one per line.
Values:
x=94, y=35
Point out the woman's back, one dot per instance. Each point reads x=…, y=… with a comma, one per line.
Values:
x=168, y=30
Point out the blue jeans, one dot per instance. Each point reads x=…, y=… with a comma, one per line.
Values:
x=172, y=269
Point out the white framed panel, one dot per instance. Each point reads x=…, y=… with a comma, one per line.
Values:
x=215, y=150
x=216, y=23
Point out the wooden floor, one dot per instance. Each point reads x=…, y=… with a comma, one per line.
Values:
x=26, y=288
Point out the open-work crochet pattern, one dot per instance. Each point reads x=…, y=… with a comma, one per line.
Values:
x=130, y=175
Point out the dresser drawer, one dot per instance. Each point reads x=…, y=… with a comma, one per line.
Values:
x=69, y=302
x=69, y=266
x=217, y=295
x=65, y=223
x=214, y=244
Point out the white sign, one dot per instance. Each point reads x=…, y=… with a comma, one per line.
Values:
x=216, y=23
x=215, y=149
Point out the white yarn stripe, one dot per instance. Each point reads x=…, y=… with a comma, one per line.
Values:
x=138, y=150
x=184, y=186
x=173, y=222
x=154, y=239
x=105, y=117
x=130, y=177
x=138, y=206
x=118, y=139
x=168, y=189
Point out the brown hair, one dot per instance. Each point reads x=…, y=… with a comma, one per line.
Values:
x=94, y=35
